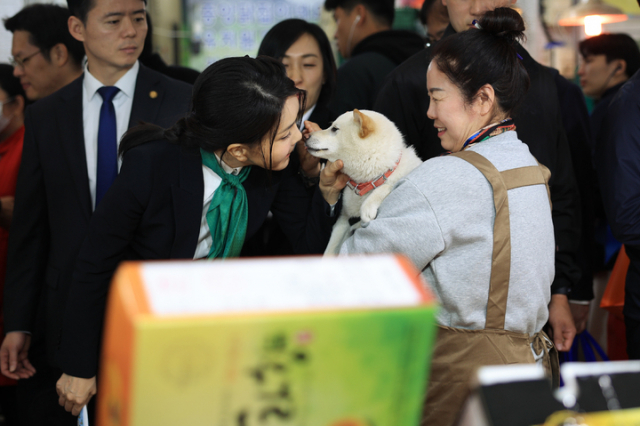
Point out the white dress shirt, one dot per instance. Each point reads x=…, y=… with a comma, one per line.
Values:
x=211, y=183
x=91, y=104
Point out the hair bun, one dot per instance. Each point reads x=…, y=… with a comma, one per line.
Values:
x=503, y=22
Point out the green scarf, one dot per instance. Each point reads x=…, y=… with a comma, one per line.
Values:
x=229, y=210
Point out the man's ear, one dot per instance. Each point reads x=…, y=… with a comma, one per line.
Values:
x=76, y=28
x=365, y=124
x=360, y=11
x=485, y=99
x=621, y=68
x=59, y=54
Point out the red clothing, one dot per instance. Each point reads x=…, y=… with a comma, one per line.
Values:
x=10, y=156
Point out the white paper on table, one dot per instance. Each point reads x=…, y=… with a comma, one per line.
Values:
x=285, y=284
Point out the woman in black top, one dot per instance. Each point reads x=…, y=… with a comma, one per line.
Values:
x=197, y=189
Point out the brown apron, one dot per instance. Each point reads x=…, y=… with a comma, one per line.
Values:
x=460, y=352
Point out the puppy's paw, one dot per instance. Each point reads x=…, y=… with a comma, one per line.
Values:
x=368, y=212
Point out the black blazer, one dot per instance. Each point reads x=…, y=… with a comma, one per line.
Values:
x=53, y=202
x=153, y=211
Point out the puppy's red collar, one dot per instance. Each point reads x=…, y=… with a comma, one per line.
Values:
x=364, y=187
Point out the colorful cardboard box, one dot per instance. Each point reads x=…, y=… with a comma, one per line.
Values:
x=302, y=341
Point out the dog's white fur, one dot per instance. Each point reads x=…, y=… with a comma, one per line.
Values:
x=369, y=144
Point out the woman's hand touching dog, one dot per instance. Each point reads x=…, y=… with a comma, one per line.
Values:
x=309, y=164
x=332, y=180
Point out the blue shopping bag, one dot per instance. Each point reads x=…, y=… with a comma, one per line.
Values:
x=584, y=344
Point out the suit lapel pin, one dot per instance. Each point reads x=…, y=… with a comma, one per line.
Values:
x=153, y=94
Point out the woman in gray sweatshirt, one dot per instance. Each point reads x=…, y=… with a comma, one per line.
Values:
x=477, y=222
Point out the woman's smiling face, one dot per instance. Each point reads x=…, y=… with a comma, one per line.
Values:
x=455, y=119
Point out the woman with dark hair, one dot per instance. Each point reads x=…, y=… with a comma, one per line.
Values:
x=305, y=51
x=12, y=104
x=477, y=222
x=195, y=190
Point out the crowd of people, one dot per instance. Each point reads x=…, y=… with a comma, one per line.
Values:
x=522, y=196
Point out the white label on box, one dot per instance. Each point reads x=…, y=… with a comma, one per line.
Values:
x=278, y=284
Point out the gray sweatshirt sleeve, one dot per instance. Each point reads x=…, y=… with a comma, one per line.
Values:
x=406, y=224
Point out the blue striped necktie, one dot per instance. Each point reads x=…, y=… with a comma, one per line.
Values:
x=107, y=168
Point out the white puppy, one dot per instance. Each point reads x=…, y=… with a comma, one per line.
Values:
x=375, y=157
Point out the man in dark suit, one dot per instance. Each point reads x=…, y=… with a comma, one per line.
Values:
x=69, y=161
x=404, y=99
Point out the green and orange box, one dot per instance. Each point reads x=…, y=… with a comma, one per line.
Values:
x=301, y=341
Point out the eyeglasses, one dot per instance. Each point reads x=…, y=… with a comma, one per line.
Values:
x=19, y=62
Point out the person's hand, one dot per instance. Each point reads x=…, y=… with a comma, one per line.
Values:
x=75, y=392
x=309, y=127
x=332, y=181
x=580, y=314
x=14, y=352
x=309, y=164
x=563, y=330
x=6, y=213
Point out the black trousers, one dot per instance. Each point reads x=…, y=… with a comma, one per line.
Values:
x=37, y=399
x=8, y=405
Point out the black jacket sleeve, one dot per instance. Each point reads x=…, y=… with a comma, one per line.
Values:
x=301, y=215
x=111, y=231
x=575, y=119
x=539, y=125
x=565, y=200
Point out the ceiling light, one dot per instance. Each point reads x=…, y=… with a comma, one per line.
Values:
x=591, y=12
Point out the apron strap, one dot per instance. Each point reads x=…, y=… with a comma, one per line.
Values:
x=501, y=259
x=527, y=176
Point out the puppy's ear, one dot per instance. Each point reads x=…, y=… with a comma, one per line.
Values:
x=365, y=124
